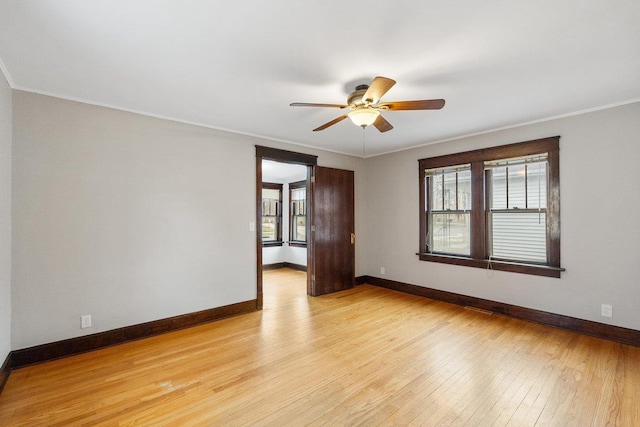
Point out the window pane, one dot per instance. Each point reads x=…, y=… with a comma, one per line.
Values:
x=268, y=229
x=464, y=190
x=519, y=236
x=450, y=233
x=298, y=207
x=450, y=194
x=436, y=192
x=299, y=229
x=298, y=220
x=298, y=201
x=298, y=194
x=499, y=188
x=516, y=187
x=537, y=185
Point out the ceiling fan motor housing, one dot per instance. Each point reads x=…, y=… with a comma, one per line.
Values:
x=355, y=98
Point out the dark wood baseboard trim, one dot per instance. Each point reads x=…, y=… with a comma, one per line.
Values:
x=279, y=265
x=293, y=266
x=5, y=370
x=361, y=280
x=69, y=347
x=586, y=327
x=275, y=266
x=259, y=301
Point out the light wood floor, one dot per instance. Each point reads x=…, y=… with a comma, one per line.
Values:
x=367, y=356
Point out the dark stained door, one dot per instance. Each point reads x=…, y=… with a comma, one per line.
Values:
x=332, y=228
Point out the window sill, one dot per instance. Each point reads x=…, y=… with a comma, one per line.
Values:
x=269, y=244
x=298, y=244
x=514, y=267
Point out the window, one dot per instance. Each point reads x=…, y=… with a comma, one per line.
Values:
x=298, y=213
x=493, y=208
x=449, y=210
x=271, y=214
x=517, y=192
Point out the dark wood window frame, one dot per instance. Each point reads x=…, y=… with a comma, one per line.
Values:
x=479, y=229
x=295, y=186
x=278, y=241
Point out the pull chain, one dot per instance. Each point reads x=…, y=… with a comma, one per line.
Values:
x=363, y=141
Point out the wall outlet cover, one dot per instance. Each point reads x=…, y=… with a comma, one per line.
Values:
x=85, y=321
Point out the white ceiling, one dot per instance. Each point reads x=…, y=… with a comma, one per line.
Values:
x=237, y=65
x=282, y=172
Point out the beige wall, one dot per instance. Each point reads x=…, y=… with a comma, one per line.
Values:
x=600, y=226
x=129, y=218
x=5, y=218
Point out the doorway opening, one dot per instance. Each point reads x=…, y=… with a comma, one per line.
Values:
x=328, y=224
x=284, y=217
x=283, y=205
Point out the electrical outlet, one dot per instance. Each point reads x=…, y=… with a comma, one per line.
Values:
x=252, y=226
x=606, y=310
x=85, y=321
x=382, y=270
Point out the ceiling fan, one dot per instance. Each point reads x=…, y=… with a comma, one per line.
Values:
x=366, y=107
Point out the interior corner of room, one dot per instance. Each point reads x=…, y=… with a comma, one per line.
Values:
x=150, y=182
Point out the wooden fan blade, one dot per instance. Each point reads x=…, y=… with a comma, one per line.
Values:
x=331, y=123
x=379, y=86
x=382, y=124
x=425, y=104
x=310, y=104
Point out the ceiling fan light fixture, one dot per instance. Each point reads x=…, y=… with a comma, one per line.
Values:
x=364, y=117
x=365, y=106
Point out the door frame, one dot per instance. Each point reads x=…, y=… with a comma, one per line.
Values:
x=282, y=156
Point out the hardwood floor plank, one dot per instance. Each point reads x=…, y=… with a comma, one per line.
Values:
x=365, y=356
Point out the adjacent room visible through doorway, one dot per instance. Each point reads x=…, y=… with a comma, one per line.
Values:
x=284, y=217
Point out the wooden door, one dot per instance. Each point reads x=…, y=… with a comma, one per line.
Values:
x=332, y=228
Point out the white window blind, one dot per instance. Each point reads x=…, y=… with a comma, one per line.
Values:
x=519, y=236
